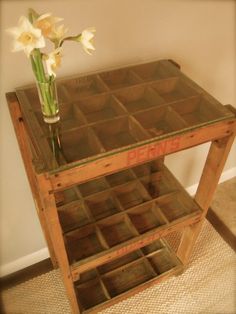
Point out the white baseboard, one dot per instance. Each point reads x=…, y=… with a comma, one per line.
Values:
x=24, y=262
x=226, y=175
x=42, y=254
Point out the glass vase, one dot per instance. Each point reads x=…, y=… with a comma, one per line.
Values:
x=47, y=92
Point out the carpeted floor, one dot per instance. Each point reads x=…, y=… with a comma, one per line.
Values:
x=208, y=286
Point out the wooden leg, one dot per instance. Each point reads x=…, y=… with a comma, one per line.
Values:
x=26, y=156
x=213, y=168
x=50, y=211
x=214, y=165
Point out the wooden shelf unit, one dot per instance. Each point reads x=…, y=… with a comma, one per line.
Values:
x=104, y=197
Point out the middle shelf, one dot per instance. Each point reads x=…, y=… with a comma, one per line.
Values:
x=111, y=216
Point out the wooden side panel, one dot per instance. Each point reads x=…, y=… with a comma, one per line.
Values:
x=27, y=159
x=52, y=220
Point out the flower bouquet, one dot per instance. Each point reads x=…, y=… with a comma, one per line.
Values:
x=30, y=36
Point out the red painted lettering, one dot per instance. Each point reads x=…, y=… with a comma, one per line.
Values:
x=161, y=148
x=142, y=154
x=175, y=143
x=152, y=151
x=132, y=156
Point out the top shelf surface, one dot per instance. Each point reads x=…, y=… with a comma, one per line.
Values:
x=113, y=111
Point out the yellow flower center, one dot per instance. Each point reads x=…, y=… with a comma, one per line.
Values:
x=45, y=26
x=26, y=38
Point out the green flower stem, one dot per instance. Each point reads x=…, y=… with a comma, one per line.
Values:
x=45, y=85
x=33, y=65
x=33, y=15
x=73, y=38
x=39, y=62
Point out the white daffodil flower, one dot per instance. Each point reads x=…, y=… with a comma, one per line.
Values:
x=53, y=61
x=26, y=36
x=86, y=38
x=46, y=23
x=58, y=33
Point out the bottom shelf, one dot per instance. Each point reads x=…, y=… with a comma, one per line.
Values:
x=107, y=284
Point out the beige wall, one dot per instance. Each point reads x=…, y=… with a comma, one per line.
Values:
x=200, y=35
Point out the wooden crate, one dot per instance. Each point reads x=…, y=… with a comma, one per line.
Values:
x=120, y=109
x=128, y=214
x=104, y=196
x=127, y=275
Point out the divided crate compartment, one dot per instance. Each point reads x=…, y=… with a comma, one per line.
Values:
x=161, y=261
x=117, y=229
x=119, y=262
x=197, y=110
x=73, y=215
x=93, y=187
x=153, y=71
x=148, y=168
x=157, y=184
x=139, y=98
x=120, y=78
x=120, y=177
x=126, y=276
x=103, y=205
x=119, y=132
x=176, y=206
x=101, y=107
x=84, y=242
x=91, y=293
x=31, y=94
x=154, y=246
x=84, y=86
x=66, y=196
x=173, y=89
x=131, y=276
x=71, y=116
x=131, y=194
x=146, y=217
x=80, y=143
x=160, y=121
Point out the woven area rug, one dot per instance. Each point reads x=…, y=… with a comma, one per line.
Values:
x=208, y=286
